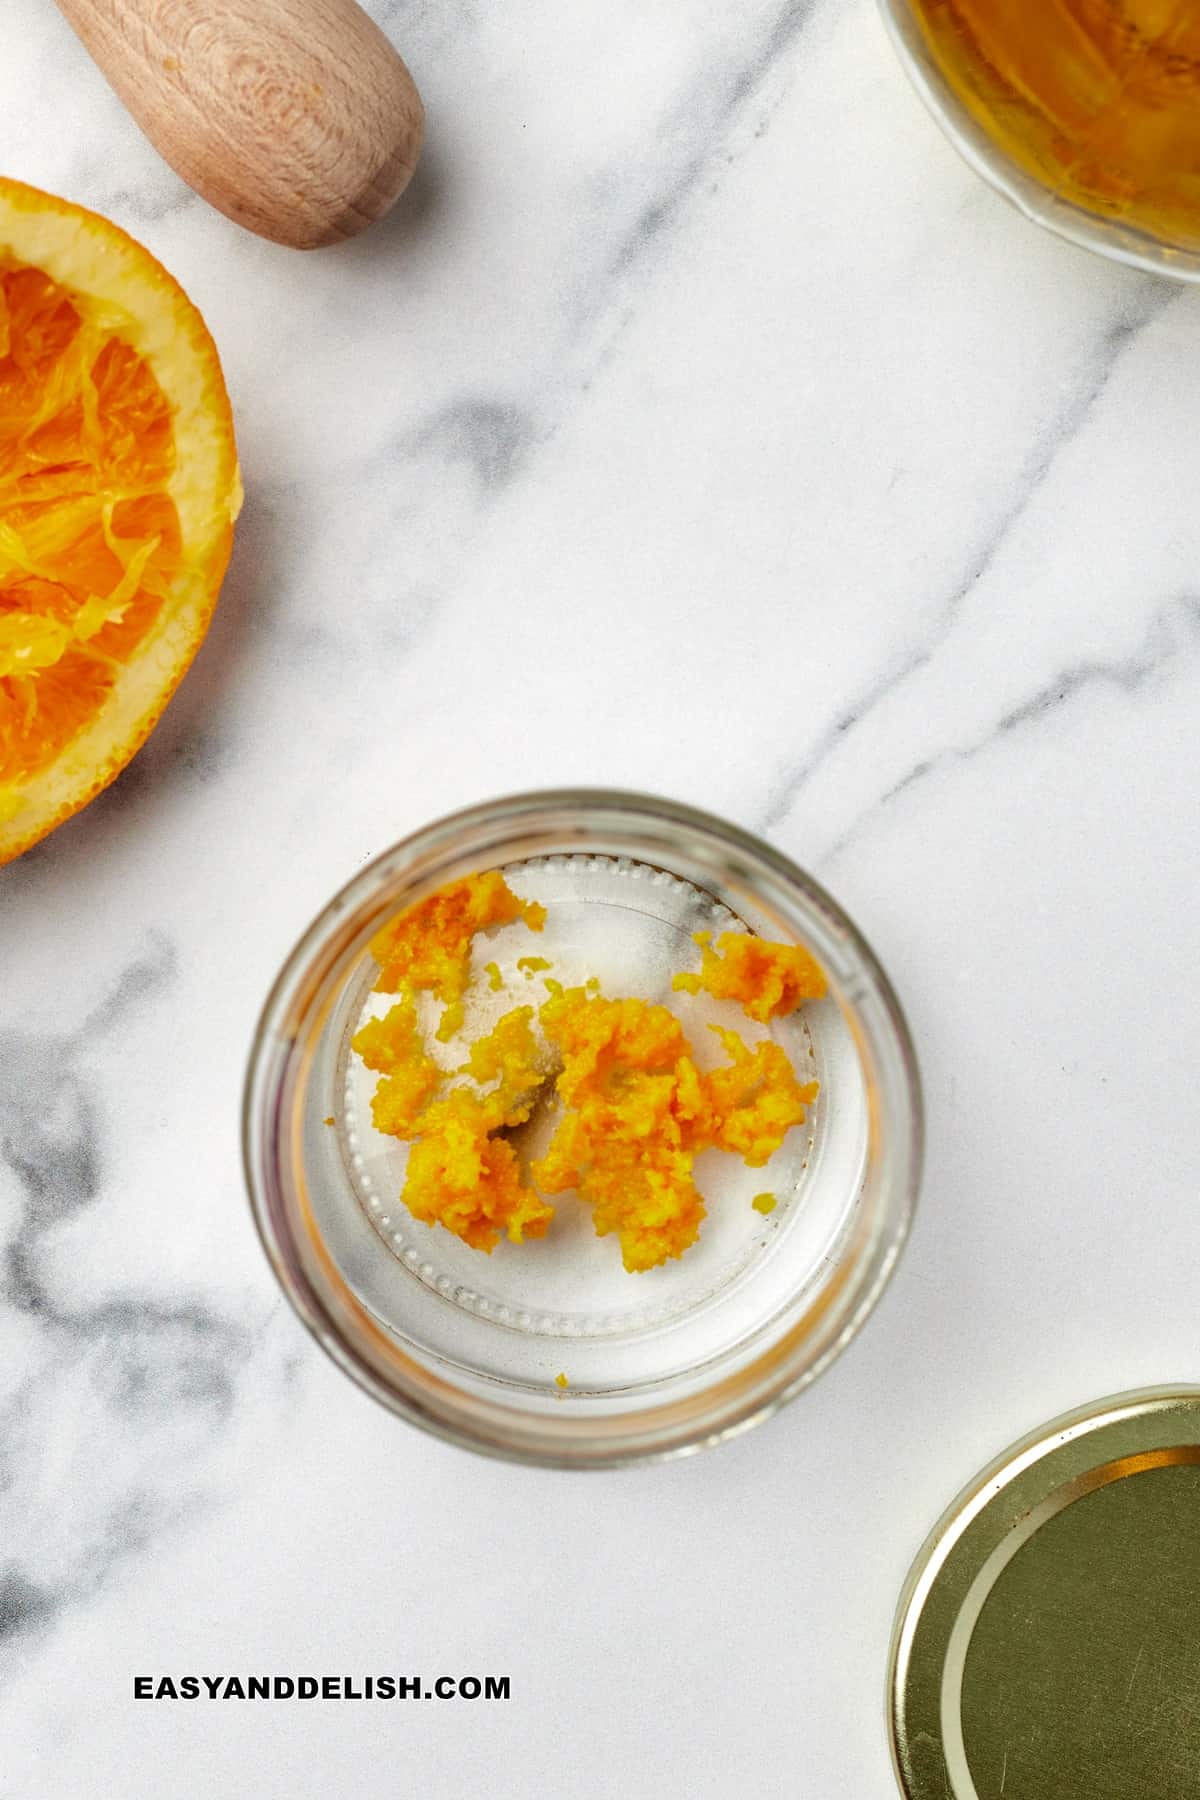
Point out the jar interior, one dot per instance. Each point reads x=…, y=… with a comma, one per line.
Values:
x=550, y=1350
x=564, y=1306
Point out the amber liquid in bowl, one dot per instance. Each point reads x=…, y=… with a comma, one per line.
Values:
x=1099, y=100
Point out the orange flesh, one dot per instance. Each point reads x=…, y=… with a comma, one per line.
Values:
x=1097, y=99
x=636, y=1108
x=89, y=539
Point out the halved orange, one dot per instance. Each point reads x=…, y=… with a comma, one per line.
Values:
x=119, y=486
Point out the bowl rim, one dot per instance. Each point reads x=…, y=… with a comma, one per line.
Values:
x=1064, y=218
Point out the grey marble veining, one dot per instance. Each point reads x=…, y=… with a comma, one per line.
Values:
x=156, y=1372
x=697, y=423
x=1014, y=498
x=1173, y=635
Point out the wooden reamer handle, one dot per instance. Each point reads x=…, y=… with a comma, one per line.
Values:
x=297, y=118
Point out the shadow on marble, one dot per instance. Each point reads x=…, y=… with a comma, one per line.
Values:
x=416, y=215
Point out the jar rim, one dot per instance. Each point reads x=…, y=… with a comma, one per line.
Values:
x=483, y=835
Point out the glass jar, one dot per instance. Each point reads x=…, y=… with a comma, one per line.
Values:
x=550, y=1352
x=1099, y=204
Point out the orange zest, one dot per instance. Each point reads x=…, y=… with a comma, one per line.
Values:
x=635, y=1108
x=429, y=946
x=118, y=490
x=638, y=1112
x=769, y=980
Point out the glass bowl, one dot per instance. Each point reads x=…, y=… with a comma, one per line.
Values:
x=1092, y=230
x=549, y=1352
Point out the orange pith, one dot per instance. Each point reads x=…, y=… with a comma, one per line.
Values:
x=118, y=489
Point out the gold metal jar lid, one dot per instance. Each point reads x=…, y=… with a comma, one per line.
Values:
x=1047, y=1645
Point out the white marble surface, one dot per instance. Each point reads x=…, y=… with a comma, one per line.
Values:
x=698, y=423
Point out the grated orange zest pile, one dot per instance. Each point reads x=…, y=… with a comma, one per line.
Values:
x=429, y=946
x=636, y=1108
x=633, y=1099
x=754, y=1101
x=639, y=1112
x=769, y=980
x=462, y=1173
